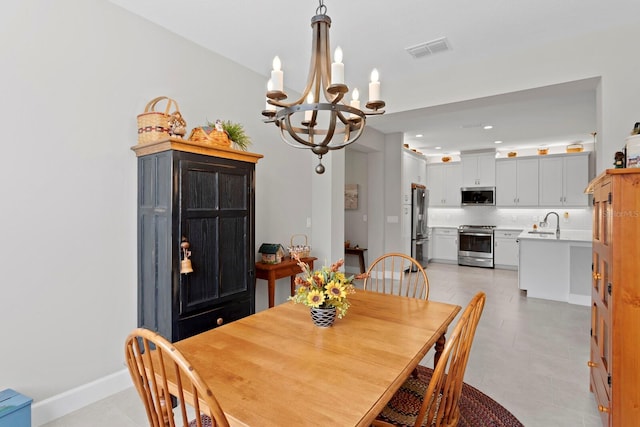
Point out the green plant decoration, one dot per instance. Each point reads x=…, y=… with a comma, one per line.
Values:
x=236, y=133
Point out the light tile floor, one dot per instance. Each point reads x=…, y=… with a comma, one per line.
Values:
x=529, y=354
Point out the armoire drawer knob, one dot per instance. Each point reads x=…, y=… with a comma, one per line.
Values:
x=220, y=321
x=591, y=364
x=597, y=276
x=603, y=408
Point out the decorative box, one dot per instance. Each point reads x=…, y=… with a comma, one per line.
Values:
x=15, y=409
x=574, y=148
x=272, y=253
x=633, y=151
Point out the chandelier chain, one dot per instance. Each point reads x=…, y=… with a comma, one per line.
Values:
x=321, y=9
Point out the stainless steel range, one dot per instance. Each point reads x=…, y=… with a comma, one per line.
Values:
x=475, y=245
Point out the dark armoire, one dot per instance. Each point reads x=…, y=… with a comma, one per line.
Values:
x=202, y=195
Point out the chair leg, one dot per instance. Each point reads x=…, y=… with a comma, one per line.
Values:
x=439, y=347
x=167, y=410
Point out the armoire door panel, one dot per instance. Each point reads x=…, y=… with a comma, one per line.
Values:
x=233, y=191
x=200, y=189
x=233, y=255
x=200, y=288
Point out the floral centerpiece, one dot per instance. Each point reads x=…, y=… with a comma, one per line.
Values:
x=326, y=288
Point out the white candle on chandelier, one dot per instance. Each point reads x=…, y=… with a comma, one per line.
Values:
x=277, y=75
x=374, y=86
x=268, y=106
x=309, y=113
x=355, y=102
x=337, y=68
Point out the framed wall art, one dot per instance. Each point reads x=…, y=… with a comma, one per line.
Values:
x=351, y=196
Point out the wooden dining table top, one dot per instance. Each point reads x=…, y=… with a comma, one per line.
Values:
x=276, y=368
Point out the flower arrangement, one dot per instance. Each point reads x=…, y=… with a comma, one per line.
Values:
x=324, y=288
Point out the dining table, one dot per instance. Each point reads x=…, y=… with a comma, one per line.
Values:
x=276, y=368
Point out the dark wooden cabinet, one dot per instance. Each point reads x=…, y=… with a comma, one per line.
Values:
x=206, y=196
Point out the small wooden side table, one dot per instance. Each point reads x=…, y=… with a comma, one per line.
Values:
x=360, y=253
x=272, y=272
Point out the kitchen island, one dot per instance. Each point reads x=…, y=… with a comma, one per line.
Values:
x=556, y=268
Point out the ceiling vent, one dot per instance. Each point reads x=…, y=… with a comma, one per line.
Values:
x=429, y=48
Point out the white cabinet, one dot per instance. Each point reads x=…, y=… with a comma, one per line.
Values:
x=555, y=269
x=505, y=253
x=563, y=179
x=444, y=182
x=478, y=170
x=414, y=171
x=406, y=229
x=445, y=244
x=517, y=182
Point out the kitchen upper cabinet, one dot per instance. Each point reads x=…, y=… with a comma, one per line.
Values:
x=478, y=170
x=517, y=182
x=414, y=170
x=562, y=180
x=443, y=182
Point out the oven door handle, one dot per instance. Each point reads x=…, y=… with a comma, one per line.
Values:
x=475, y=234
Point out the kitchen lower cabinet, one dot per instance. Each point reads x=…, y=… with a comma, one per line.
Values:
x=506, y=249
x=615, y=297
x=554, y=268
x=205, y=199
x=445, y=244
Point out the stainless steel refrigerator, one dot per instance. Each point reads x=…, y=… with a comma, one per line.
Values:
x=419, y=228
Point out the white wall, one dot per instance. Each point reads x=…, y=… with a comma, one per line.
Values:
x=74, y=76
x=355, y=225
x=607, y=54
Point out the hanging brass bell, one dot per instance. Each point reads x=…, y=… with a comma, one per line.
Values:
x=185, y=266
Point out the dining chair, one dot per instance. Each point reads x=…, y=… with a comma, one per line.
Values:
x=437, y=401
x=399, y=274
x=152, y=361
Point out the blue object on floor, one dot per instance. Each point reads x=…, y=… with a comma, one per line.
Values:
x=15, y=409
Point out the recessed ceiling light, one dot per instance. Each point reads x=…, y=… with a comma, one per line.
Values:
x=497, y=142
x=487, y=127
x=438, y=148
x=419, y=135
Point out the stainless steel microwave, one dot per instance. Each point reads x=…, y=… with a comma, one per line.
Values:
x=478, y=196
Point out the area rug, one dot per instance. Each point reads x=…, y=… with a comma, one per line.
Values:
x=476, y=408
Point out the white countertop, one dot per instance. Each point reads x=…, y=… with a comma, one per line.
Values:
x=565, y=235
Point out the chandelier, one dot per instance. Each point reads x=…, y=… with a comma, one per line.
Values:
x=309, y=123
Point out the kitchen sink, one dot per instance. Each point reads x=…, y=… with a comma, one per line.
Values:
x=542, y=232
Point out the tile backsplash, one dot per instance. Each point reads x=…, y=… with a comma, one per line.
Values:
x=570, y=218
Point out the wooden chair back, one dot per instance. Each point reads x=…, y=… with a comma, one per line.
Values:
x=440, y=404
x=399, y=274
x=152, y=361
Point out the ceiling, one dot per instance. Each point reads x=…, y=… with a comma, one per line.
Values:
x=375, y=33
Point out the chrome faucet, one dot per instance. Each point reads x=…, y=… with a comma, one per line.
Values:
x=544, y=223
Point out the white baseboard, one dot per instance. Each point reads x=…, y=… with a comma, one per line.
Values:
x=64, y=403
x=579, y=299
